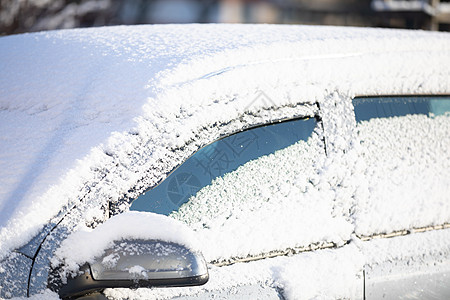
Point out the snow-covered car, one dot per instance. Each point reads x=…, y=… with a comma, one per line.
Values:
x=280, y=162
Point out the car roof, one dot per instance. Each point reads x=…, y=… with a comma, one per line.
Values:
x=86, y=112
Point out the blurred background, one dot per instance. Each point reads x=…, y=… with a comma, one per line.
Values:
x=17, y=16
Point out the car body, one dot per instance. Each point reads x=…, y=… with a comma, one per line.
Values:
x=309, y=162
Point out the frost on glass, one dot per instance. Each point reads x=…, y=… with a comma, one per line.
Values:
x=218, y=159
x=404, y=144
x=269, y=203
x=258, y=194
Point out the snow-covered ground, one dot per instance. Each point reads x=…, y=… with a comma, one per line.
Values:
x=101, y=114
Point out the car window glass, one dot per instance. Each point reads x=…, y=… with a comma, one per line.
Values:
x=263, y=198
x=385, y=107
x=219, y=158
x=403, y=143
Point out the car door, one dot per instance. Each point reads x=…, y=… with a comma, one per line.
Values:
x=403, y=205
x=258, y=194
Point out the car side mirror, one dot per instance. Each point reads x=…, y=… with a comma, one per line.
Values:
x=138, y=263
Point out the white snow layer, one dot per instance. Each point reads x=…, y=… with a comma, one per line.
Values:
x=92, y=243
x=407, y=168
x=270, y=203
x=90, y=113
x=323, y=274
x=45, y=295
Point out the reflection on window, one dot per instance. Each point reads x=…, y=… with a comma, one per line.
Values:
x=385, y=107
x=219, y=158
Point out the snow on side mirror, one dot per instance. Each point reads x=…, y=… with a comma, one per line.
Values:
x=140, y=263
x=130, y=250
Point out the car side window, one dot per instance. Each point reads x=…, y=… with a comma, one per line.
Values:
x=367, y=108
x=218, y=159
x=403, y=143
x=254, y=193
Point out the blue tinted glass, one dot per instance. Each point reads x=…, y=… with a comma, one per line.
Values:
x=219, y=158
x=367, y=108
x=440, y=106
